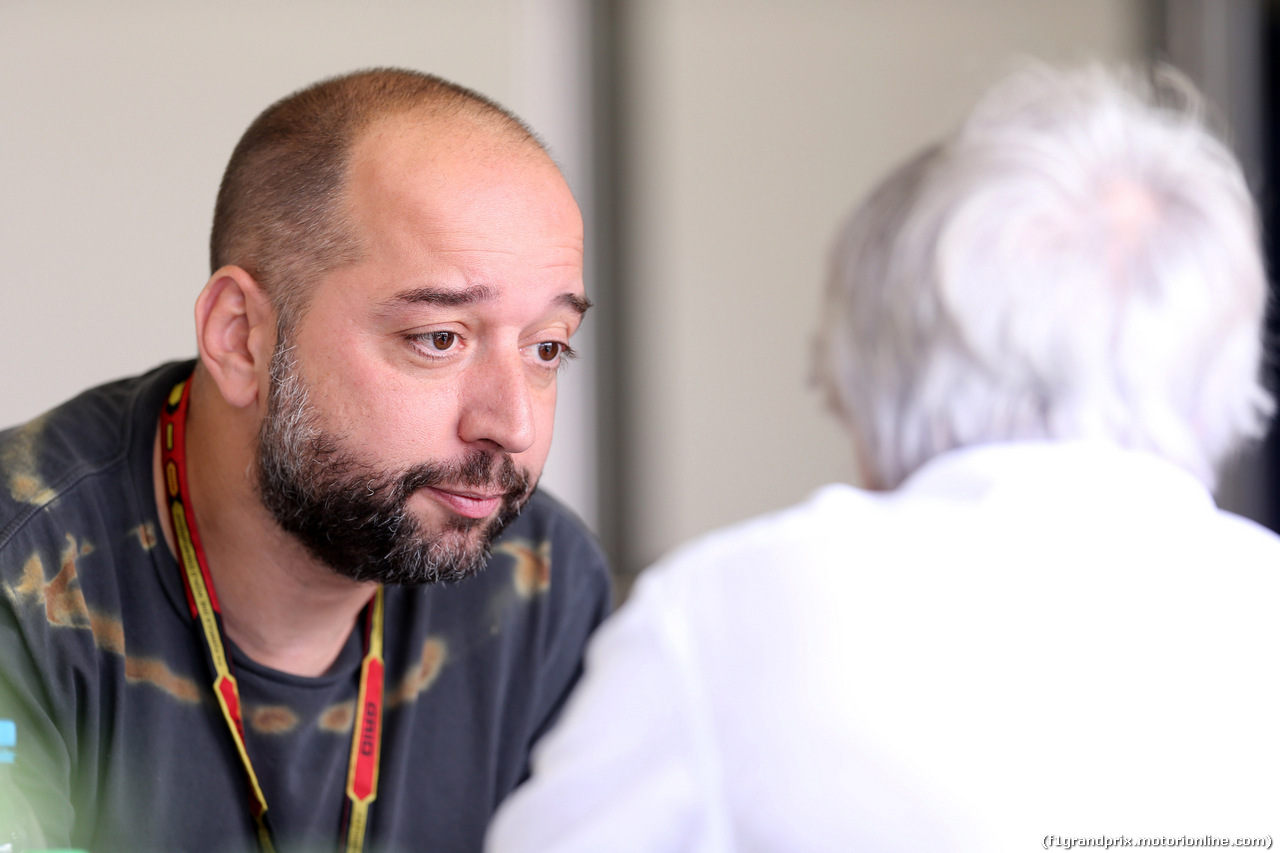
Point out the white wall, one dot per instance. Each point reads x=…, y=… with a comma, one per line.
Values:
x=758, y=123
x=116, y=120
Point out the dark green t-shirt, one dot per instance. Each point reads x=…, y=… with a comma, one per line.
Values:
x=122, y=745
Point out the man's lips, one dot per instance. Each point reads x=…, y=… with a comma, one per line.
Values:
x=469, y=504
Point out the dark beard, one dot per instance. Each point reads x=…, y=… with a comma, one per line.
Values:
x=353, y=517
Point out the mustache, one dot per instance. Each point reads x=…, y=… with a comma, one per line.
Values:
x=479, y=470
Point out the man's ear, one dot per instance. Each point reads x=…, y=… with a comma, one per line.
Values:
x=236, y=334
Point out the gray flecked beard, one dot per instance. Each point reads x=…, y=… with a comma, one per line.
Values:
x=353, y=516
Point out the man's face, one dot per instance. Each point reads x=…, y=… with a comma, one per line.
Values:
x=411, y=409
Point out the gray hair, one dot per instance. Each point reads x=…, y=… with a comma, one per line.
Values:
x=1080, y=260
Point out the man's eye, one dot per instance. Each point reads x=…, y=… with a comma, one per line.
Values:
x=442, y=340
x=550, y=350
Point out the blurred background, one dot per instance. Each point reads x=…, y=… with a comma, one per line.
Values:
x=715, y=145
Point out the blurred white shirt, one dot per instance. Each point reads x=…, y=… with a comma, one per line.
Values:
x=1024, y=641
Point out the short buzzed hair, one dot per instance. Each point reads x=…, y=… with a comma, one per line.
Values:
x=280, y=212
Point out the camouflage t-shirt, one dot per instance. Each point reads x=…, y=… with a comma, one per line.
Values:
x=121, y=743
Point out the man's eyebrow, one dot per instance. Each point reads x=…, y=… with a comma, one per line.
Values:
x=442, y=297
x=473, y=294
x=578, y=303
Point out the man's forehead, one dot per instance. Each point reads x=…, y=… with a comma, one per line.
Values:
x=450, y=166
x=454, y=218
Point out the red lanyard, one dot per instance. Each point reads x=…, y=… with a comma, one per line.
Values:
x=366, y=740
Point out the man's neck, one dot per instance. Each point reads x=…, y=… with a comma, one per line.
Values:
x=279, y=605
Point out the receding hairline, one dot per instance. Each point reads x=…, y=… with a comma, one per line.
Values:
x=387, y=93
x=447, y=110
x=478, y=133
x=280, y=212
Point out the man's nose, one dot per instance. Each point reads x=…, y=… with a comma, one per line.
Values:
x=497, y=405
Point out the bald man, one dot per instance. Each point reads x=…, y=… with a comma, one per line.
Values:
x=303, y=590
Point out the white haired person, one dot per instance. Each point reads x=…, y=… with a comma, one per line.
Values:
x=1044, y=335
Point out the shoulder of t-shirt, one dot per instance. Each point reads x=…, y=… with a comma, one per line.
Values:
x=57, y=466
x=553, y=534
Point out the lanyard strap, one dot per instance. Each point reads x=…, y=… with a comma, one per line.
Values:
x=366, y=740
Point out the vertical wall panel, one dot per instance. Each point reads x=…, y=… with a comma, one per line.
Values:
x=753, y=127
